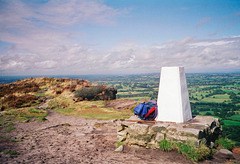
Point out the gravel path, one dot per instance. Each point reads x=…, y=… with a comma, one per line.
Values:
x=69, y=139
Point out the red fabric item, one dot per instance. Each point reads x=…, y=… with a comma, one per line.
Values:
x=150, y=111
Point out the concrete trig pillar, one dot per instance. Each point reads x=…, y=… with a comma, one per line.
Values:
x=173, y=100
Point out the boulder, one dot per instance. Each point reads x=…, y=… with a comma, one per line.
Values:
x=224, y=154
x=99, y=92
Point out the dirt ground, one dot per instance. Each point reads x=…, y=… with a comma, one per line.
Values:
x=121, y=104
x=69, y=139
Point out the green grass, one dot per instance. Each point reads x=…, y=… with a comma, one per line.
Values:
x=103, y=114
x=10, y=124
x=191, y=151
x=11, y=152
x=118, y=144
x=40, y=94
x=13, y=140
x=165, y=145
x=229, y=90
x=123, y=94
x=66, y=110
x=137, y=98
x=230, y=123
x=235, y=117
x=193, y=101
x=95, y=110
x=128, y=93
x=9, y=129
x=24, y=114
x=140, y=89
x=217, y=98
x=203, y=113
x=225, y=143
x=33, y=110
x=199, y=95
x=225, y=96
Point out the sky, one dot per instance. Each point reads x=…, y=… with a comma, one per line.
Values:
x=77, y=37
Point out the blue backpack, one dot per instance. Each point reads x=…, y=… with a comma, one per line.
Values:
x=146, y=111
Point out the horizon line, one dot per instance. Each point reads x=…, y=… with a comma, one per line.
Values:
x=122, y=74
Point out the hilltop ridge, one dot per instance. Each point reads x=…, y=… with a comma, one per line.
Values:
x=32, y=91
x=23, y=93
x=32, y=98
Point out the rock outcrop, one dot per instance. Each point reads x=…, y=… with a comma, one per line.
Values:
x=99, y=92
x=200, y=130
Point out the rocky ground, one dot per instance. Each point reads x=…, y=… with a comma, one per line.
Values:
x=69, y=139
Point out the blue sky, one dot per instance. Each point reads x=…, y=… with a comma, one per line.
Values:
x=156, y=21
x=118, y=36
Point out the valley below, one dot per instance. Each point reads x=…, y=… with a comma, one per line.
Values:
x=45, y=120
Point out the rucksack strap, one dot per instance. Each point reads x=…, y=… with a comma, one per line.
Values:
x=150, y=111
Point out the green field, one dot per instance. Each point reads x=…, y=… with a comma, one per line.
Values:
x=235, y=117
x=231, y=123
x=138, y=98
x=205, y=113
x=217, y=95
x=217, y=99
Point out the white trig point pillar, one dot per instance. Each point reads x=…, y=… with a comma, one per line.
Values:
x=173, y=101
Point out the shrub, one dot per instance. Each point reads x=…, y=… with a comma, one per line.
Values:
x=225, y=143
x=20, y=87
x=192, y=152
x=19, y=101
x=165, y=145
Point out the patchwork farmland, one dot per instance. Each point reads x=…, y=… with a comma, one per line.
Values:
x=215, y=95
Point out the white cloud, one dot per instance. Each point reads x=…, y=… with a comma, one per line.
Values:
x=66, y=12
x=48, y=64
x=40, y=35
x=206, y=56
x=131, y=58
x=236, y=36
x=41, y=43
x=46, y=25
x=210, y=43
